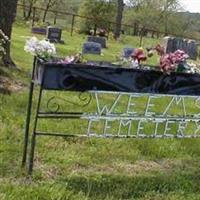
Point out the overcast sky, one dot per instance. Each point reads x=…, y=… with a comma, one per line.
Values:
x=191, y=5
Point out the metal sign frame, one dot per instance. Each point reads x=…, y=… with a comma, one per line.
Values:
x=107, y=114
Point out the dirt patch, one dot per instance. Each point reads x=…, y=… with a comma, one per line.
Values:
x=137, y=168
x=7, y=85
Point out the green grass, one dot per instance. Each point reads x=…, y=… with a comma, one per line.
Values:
x=92, y=169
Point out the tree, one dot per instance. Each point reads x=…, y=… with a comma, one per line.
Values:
x=48, y=4
x=120, y=8
x=31, y=3
x=98, y=13
x=28, y=7
x=7, y=17
x=154, y=14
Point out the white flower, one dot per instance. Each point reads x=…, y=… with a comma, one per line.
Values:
x=31, y=45
x=40, y=48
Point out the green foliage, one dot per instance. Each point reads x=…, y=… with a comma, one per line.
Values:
x=160, y=15
x=99, y=12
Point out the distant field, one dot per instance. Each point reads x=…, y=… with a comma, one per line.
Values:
x=92, y=169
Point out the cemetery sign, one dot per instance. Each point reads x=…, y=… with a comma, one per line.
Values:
x=134, y=118
x=114, y=102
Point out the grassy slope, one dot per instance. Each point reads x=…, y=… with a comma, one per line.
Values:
x=90, y=169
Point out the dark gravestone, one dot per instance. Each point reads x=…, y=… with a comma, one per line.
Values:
x=91, y=48
x=54, y=34
x=100, y=40
x=127, y=52
x=38, y=30
x=189, y=46
x=192, y=49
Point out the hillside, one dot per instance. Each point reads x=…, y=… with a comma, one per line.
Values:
x=193, y=20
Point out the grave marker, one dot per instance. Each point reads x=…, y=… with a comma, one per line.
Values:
x=54, y=34
x=38, y=30
x=91, y=48
x=127, y=52
x=100, y=40
x=189, y=46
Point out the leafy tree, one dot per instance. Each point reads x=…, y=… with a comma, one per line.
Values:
x=98, y=13
x=28, y=8
x=48, y=4
x=7, y=17
x=153, y=14
x=170, y=7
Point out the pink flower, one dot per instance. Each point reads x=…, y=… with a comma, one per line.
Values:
x=169, y=62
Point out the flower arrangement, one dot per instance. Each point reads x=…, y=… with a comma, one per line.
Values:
x=172, y=61
x=71, y=59
x=134, y=60
x=42, y=49
x=138, y=56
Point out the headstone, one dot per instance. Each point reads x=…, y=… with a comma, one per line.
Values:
x=189, y=46
x=54, y=34
x=38, y=30
x=100, y=40
x=127, y=52
x=91, y=48
x=192, y=49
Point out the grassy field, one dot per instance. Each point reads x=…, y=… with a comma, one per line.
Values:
x=89, y=169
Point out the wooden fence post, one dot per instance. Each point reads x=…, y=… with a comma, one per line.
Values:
x=55, y=18
x=33, y=19
x=141, y=38
x=72, y=25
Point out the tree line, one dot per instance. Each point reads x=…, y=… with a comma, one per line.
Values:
x=162, y=15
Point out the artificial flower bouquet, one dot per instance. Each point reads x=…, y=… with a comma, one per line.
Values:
x=42, y=49
x=46, y=51
x=172, y=62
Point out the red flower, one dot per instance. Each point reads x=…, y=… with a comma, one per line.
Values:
x=138, y=55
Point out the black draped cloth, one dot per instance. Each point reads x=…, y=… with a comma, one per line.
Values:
x=79, y=77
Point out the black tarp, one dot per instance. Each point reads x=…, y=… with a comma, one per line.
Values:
x=79, y=77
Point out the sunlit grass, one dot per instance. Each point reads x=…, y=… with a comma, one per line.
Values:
x=109, y=169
